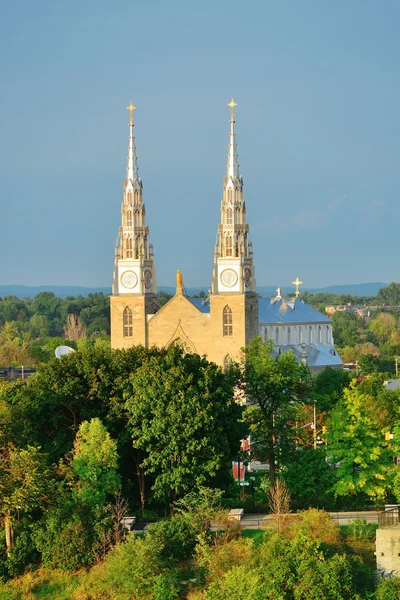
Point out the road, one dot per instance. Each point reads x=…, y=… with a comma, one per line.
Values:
x=254, y=521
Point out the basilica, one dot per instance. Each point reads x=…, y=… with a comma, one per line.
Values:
x=220, y=325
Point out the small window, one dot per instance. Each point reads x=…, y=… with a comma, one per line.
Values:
x=128, y=322
x=129, y=218
x=128, y=247
x=229, y=245
x=229, y=216
x=319, y=334
x=310, y=334
x=289, y=336
x=277, y=336
x=227, y=321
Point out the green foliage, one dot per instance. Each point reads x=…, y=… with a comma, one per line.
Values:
x=357, y=445
x=23, y=553
x=388, y=590
x=94, y=464
x=362, y=530
x=310, y=479
x=64, y=544
x=183, y=415
x=328, y=387
x=389, y=294
x=275, y=388
x=345, y=329
x=28, y=326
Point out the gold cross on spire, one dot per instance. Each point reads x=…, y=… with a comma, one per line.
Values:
x=232, y=105
x=297, y=283
x=131, y=108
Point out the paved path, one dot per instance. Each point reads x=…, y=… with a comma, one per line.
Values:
x=254, y=521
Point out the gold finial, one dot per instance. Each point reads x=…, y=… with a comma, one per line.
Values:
x=232, y=105
x=297, y=283
x=179, y=282
x=131, y=108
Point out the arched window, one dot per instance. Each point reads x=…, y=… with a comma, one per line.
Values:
x=227, y=321
x=229, y=245
x=310, y=335
x=327, y=334
x=319, y=334
x=129, y=218
x=229, y=216
x=289, y=336
x=265, y=333
x=229, y=195
x=277, y=336
x=228, y=360
x=128, y=322
x=128, y=247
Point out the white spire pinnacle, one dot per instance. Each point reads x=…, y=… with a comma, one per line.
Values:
x=232, y=168
x=132, y=168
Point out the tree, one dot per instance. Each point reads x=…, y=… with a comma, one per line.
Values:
x=274, y=389
x=356, y=445
x=328, y=387
x=389, y=294
x=94, y=464
x=74, y=328
x=310, y=479
x=23, y=485
x=345, y=329
x=384, y=328
x=184, y=420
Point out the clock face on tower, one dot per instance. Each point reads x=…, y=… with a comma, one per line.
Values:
x=229, y=277
x=129, y=279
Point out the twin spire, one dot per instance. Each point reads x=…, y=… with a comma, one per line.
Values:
x=132, y=168
x=232, y=168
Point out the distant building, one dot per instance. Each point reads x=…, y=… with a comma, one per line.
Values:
x=361, y=311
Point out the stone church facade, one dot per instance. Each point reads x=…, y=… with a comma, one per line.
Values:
x=218, y=326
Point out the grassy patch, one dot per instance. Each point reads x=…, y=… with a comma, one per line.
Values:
x=42, y=585
x=253, y=534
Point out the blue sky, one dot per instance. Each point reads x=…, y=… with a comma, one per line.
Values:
x=318, y=91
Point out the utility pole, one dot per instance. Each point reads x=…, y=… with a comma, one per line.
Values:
x=315, y=425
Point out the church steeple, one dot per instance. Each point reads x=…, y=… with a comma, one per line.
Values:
x=233, y=254
x=132, y=168
x=134, y=271
x=232, y=168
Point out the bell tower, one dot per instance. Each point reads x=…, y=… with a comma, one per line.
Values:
x=134, y=289
x=233, y=299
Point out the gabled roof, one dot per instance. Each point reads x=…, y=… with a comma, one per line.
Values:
x=318, y=355
x=288, y=310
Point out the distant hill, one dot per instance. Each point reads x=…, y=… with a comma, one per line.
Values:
x=24, y=291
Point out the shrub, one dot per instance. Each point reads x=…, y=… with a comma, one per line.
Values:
x=388, y=590
x=22, y=554
x=362, y=530
x=64, y=546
